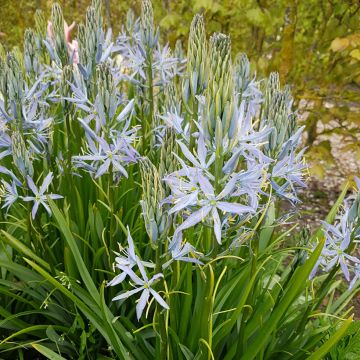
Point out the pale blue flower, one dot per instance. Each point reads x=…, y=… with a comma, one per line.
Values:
x=356, y=276
x=175, y=121
x=143, y=285
x=40, y=196
x=4, y=170
x=208, y=204
x=338, y=238
x=102, y=154
x=129, y=259
x=182, y=251
x=10, y=194
x=287, y=174
x=165, y=65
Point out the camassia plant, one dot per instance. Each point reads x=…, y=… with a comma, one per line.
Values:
x=140, y=203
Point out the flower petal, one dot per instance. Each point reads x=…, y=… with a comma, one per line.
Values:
x=194, y=218
x=217, y=224
x=32, y=185
x=127, y=294
x=234, y=208
x=142, y=303
x=46, y=183
x=159, y=299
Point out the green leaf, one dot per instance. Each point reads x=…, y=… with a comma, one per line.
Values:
x=23, y=249
x=326, y=347
x=186, y=352
x=119, y=348
x=30, y=329
x=84, y=273
x=295, y=286
x=339, y=44
x=332, y=213
x=256, y=17
x=47, y=352
x=355, y=54
x=91, y=312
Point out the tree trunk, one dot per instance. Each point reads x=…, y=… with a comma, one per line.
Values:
x=287, y=47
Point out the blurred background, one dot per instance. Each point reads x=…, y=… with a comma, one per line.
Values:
x=314, y=44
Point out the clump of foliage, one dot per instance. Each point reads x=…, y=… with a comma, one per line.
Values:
x=315, y=45
x=140, y=203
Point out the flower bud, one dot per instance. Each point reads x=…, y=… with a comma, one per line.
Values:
x=40, y=29
x=241, y=74
x=149, y=37
x=89, y=37
x=179, y=51
x=40, y=24
x=277, y=113
x=31, y=58
x=81, y=37
x=219, y=93
x=21, y=155
x=171, y=99
x=156, y=220
x=197, y=57
x=2, y=71
x=14, y=79
x=96, y=4
x=106, y=88
x=168, y=162
x=59, y=41
x=66, y=80
x=130, y=20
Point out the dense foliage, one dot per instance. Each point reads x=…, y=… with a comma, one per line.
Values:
x=140, y=192
x=315, y=45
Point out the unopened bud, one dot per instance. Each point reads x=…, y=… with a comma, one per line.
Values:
x=31, y=58
x=59, y=41
x=219, y=94
x=21, y=155
x=156, y=220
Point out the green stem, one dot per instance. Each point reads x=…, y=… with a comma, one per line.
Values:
x=68, y=137
x=160, y=315
x=242, y=345
x=192, y=122
x=206, y=315
x=320, y=294
x=111, y=196
x=186, y=304
x=147, y=122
